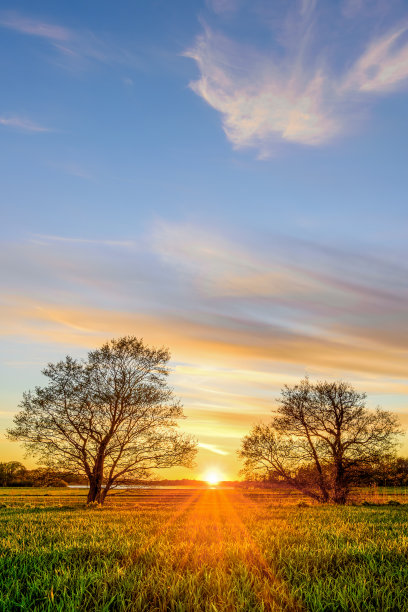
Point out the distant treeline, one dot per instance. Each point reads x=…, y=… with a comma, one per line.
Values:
x=393, y=473
x=15, y=474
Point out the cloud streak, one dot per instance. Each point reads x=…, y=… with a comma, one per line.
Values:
x=213, y=299
x=72, y=49
x=47, y=239
x=212, y=448
x=33, y=27
x=383, y=67
x=296, y=90
x=23, y=124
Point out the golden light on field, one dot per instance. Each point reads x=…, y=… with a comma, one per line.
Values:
x=213, y=477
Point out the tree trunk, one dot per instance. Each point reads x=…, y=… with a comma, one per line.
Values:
x=95, y=493
x=324, y=492
x=340, y=498
x=341, y=488
x=104, y=492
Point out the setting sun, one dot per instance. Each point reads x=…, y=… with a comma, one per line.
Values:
x=213, y=477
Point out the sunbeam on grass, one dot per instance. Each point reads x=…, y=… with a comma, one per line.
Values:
x=210, y=549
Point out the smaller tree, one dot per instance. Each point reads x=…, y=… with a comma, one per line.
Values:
x=110, y=417
x=44, y=477
x=320, y=438
x=391, y=473
x=11, y=471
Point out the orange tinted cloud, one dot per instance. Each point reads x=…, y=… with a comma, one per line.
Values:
x=241, y=320
x=221, y=341
x=214, y=302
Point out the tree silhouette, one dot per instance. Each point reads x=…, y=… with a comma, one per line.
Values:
x=110, y=417
x=320, y=437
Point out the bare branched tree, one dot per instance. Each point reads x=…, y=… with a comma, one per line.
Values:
x=320, y=437
x=110, y=417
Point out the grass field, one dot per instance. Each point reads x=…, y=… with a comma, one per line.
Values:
x=210, y=549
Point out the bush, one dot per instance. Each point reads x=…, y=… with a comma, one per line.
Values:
x=58, y=482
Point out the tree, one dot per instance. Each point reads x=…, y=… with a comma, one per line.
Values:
x=391, y=473
x=320, y=437
x=109, y=417
x=10, y=471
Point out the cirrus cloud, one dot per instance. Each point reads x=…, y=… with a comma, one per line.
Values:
x=70, y=48
x=299, y=89
x=241, y=318
x=33, y=27
x=22, y=123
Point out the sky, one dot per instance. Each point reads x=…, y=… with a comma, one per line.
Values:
x=223, y=177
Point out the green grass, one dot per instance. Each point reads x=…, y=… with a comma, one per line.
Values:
x=200, y=550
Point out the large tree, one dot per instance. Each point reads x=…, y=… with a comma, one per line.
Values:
x=110, y=417
x=320, y=437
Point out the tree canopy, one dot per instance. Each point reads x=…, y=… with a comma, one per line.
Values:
x=109, y=417
x=320, y=437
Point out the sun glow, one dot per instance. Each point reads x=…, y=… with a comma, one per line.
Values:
x=213, y=477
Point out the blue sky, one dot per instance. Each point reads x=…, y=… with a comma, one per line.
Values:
x=227, y=178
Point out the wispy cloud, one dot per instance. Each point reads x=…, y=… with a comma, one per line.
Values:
x=215, y=264
x=383, y=67
x=212, y=448
x=71, y=48
x=23, y=124
x=213, y=300
x=33, y=27
x=300, y=89
x=259, y=102
x=47, y=238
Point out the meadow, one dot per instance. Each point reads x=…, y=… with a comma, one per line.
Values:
x=211, y=549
